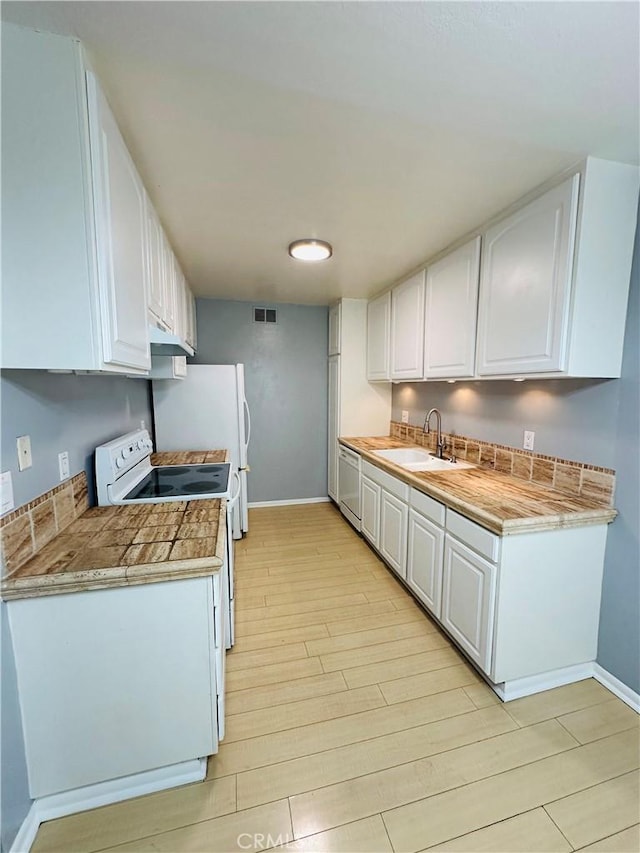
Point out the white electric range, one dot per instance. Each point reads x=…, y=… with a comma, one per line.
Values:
x=125, y=475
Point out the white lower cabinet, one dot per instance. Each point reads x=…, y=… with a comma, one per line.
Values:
x=468, y=598
x=130, y=679
x=384, y=505
x=393, y=532
x=370, y=508
x=524, y=608
x=424, y=560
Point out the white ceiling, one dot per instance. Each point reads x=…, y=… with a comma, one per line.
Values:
x=387, y=128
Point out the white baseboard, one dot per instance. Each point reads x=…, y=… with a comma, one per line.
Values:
x=519, y=687
x=27, y=832
x=291, y=502
x=104, y=794
x=629, y=696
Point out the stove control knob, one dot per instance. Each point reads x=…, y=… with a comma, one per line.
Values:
x=139, y=444
x=119, y=462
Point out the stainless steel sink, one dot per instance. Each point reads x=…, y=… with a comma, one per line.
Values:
x=418, y=459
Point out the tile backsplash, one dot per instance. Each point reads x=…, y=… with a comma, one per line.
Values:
x=27, y=529
x=570, y=477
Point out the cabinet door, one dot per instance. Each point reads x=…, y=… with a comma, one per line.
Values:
x=334, y=408
x=169, y=285
x=192, y=336
x=370, y=507
x=393, y=532
x=179, y=283
x=468, y=600
x=407, y=329
x=378, y=337
x=155, y=267
x=451, y=310
x=120, y=239
x=424, y=560
x=334, y=329
x=525, y=286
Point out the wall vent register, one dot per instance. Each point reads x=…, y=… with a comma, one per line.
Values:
x=265, y=315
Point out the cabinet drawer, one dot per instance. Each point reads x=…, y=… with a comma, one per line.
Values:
x=427, y=506
x=481, y=540
x=387, y=481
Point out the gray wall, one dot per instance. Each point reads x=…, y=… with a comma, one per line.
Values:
x=594, y=421
x=64, y=412
x=572, y=418
x=619, y=641
x=59, y=412
x=286, y=387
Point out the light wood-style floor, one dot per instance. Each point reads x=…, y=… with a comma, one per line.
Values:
x=354, y=725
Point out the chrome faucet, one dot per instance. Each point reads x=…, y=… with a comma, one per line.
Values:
x=426, y=430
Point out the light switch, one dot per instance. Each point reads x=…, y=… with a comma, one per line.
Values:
x=24, y=452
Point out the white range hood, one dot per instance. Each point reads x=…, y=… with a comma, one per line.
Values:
x=166, y=343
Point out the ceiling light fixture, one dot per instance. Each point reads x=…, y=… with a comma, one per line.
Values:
x=310, y=250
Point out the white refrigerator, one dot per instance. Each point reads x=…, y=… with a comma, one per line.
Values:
x=207, y=410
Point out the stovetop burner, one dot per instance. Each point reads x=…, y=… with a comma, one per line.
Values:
x=181, y=480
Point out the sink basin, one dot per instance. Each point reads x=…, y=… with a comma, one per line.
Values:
x=404, y=455
x=417, y=459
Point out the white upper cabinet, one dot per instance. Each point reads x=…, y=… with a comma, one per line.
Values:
x=73, y=223
x=378, y=338
x=334, y=329
x=451, y=308
x=85, y=263
x=526, y=286
x=555, y=278
x=121, y=238
x=407, y=328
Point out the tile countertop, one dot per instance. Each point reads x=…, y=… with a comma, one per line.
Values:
x=114, y=546
x=499, y=502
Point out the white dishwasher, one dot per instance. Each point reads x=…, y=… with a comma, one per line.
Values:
x=349, y=467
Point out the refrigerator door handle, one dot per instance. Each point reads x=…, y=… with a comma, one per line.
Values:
x=231, y=502
x=246, y=408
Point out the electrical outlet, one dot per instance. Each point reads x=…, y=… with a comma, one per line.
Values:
x=405, y=416
x=63, y=465
x=529, y=437
x=24, y=452
x=142, y=424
